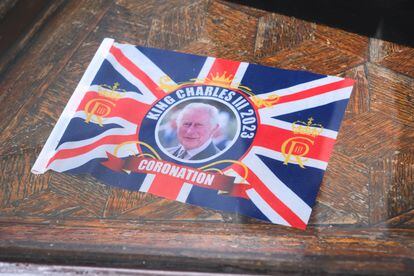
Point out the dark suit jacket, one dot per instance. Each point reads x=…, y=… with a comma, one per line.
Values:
x=206, y=153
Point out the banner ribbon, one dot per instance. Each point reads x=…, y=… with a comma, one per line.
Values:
x=194, y=176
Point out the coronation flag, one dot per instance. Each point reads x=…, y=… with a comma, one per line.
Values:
x=216, y=133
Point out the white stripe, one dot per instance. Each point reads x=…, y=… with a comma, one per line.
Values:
x=310, y=162
x=301, y=87
x=288, y=126
x=306, y=103
x=237, y=177
x=241, y=70
x=61, y=165
x=147, y=96
x=74, y=101
x=109, y=120
x=276, y=186
x=81, y=143
x=206, y=68
x=141, y=98
x=184, y=192
x=146, y=184
x=143, y=62
x=265, y=208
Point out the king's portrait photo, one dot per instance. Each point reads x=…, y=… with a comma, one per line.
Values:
x=196, y=131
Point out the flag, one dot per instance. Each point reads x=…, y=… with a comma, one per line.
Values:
x=221, y=134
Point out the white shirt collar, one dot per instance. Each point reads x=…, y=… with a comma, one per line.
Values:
x=193, y=152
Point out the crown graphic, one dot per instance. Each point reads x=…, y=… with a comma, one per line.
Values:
x=223, y=80
x=112, y=92
x=300, y=127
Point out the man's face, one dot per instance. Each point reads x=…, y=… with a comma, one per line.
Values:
x=195, y=128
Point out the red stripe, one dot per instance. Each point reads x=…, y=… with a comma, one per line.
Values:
x=316, y=91
x=277, y=205
x=138, y=73
x=126, y=108
x=221, y=66
x=165, y=186
x=112, y=140
x=320, y=150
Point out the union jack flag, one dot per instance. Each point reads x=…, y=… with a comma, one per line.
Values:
x=298, y=118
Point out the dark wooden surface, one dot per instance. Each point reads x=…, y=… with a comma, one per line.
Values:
x=363, y=221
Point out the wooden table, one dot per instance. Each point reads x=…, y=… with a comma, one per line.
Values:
x=363, y=219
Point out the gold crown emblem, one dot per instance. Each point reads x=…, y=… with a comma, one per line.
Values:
x=111, y=92
x=223, y=80
x=300, y=127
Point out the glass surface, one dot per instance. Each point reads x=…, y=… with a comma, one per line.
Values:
x=362, y=220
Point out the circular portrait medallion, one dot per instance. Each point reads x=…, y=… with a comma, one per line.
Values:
x=200, y=124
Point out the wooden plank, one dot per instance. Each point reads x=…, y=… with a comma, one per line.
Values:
x=344, y=193
x=124, y=24
x=370, y=136
x=347, y=42
x=392, y=94
x=19, y=16
x=16, y=181
x=163, y=209
x=392, y=185
x=220, y=20
x=259, y=248
x=359, y=102
x=404, y=220
x=21, y=24
x=314, y=56
x=290, y=43
x=6, y=6
x=52, y=49
x=136, y=205
x=83, y=191
x=276, y=32
x=393, y=56
x=44, y=204
x=178, y=26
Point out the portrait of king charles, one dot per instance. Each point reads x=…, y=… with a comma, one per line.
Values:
x=196, y=125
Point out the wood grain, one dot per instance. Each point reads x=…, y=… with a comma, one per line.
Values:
x=83, y=191
x=16, y=180
x=314, y=56
x=22, y=20
x=44, y=204
x=393, y=56
x=344, y=191
x=296, y=44
x=178, y=26
x=333, y=250
x=359, y=102
x=392, y=186
x=392, y=94
x=6, y=6
x=371, y=136
x=221, y=21
x=405, y=220
x=363, y=219
x=51, y=50
x=276, y=32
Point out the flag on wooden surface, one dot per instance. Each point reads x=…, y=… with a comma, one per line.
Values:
x=216, y=133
